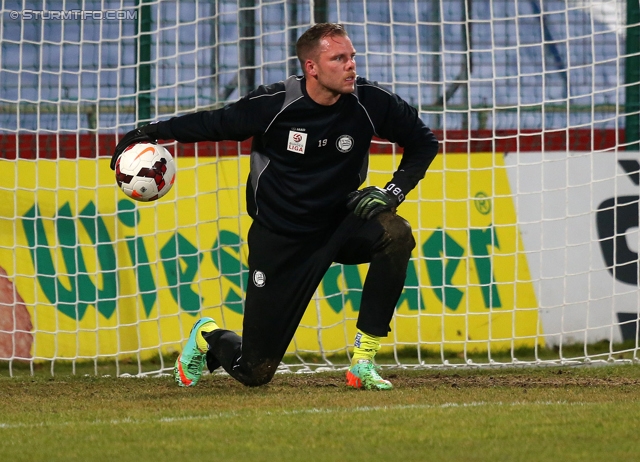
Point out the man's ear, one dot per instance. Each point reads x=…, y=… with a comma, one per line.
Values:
x=310, y=68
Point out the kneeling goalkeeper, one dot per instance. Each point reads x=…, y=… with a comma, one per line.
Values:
x=310, y=148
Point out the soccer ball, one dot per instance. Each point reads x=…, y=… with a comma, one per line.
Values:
x=145, y=172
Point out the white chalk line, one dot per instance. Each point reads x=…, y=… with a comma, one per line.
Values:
x=337, y=410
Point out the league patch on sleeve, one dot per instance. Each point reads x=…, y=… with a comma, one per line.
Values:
x=297, y=142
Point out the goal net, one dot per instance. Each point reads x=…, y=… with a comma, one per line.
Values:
x=526, y=224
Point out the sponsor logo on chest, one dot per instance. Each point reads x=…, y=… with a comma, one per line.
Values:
x=344, y=143
x=297, y=142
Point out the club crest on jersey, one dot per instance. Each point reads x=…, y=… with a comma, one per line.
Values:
x=344, y=143
x=259, y=278
x=297, y=142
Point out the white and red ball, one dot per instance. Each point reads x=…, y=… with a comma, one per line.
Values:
x=145, y=171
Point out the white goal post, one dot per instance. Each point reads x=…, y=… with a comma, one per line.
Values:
x=526, y=224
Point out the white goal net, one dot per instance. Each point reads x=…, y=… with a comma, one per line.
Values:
x=526, y=224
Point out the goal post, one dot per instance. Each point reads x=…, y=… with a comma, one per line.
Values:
x=526, y=224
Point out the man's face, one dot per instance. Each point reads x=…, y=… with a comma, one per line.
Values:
x=334, y=67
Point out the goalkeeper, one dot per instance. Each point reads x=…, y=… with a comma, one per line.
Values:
x=311, y=137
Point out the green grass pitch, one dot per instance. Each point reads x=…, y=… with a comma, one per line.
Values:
x=510, y=414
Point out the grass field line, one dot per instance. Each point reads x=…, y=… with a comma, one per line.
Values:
x=235, y=414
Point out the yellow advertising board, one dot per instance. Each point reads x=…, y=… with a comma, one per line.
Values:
x=103, y=276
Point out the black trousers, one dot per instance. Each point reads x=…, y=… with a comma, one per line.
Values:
x=284, y=273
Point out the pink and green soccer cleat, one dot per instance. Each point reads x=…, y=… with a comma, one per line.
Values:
x=189, y=365
x=364, y=374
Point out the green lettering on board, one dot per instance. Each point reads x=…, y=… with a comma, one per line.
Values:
x=105, y=257
x=411, y=293
x=81, y=292
x=176, y=254
x=130, y=216
x=225, y=254
x=481, y=240
x=352, y=284
x=442, y=257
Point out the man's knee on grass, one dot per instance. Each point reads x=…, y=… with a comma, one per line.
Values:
x=258, y=374
x=250, y=368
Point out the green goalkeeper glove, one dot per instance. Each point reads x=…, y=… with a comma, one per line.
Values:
x=144, y=134
x=368, y=202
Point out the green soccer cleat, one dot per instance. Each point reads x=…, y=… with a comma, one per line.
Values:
x=188, y=368
x=364, y=374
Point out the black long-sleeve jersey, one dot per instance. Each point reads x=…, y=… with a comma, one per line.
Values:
x=306, y=158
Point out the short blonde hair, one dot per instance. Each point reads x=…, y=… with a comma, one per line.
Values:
x=308, y=42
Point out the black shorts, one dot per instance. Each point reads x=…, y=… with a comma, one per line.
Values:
x=285, y=271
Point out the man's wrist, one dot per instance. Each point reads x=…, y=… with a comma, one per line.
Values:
x=150, y=130
x=395, y=191
x=159, y=130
